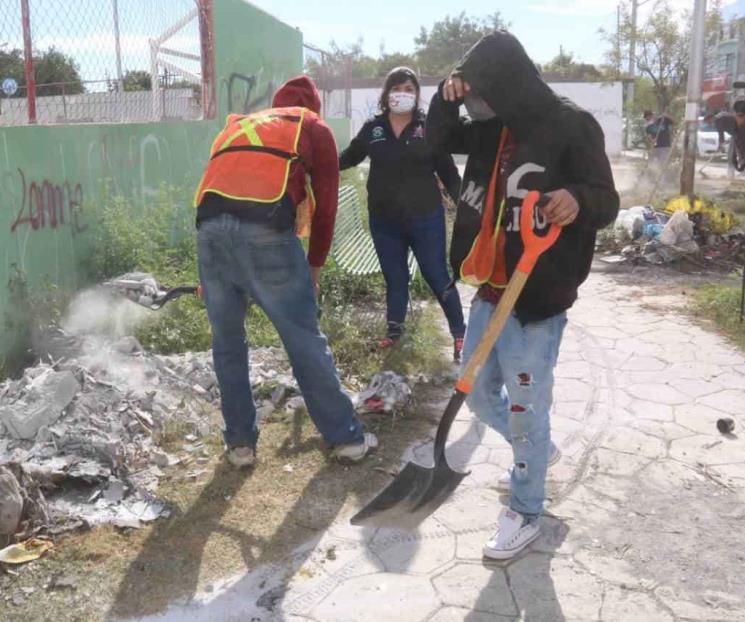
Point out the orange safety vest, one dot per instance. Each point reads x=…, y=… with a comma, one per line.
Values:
x=251, y=158
x=485, y=261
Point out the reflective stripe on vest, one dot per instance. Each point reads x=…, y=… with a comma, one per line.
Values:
x=251, y=157
x=485, y=261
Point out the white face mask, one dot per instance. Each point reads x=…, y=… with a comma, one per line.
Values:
x=401, y=102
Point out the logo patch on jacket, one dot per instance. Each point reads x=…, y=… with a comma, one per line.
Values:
x=378, y=132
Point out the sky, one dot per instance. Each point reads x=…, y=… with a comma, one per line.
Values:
x=84, y=30
x=541, y=25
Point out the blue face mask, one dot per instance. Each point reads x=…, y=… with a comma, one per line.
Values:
x=477, y=108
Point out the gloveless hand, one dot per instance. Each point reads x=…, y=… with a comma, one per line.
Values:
x=315, y=275
x=455, y=88
x=562, y=209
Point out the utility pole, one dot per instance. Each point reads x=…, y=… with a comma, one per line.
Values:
x=630, y=90
x=632, y=70
x=695, y=78
x=618, y=40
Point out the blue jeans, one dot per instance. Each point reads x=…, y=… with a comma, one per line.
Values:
x=239, y=261
x=513, y=395
x=426, y=238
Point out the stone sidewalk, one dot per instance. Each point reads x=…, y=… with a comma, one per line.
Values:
x=646, y=519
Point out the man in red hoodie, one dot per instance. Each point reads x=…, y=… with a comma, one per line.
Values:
x=262, y=167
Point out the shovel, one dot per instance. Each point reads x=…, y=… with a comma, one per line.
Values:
x=418, y=491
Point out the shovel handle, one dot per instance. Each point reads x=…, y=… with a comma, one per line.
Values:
x=534, y=246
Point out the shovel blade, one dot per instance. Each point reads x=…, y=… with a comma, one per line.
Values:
x=414, y=494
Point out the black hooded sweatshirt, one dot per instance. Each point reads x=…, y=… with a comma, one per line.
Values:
x=557, y=145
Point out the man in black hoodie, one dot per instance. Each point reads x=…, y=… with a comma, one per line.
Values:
x=521, y=136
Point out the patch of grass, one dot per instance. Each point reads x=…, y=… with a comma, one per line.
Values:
x=721, y=304
x=353, y=336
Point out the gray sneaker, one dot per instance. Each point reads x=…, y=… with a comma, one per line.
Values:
x=356, y=452
x=241, y=457
x=505, y=480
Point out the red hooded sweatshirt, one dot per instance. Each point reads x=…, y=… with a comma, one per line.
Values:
x=318, y=159
x=317, y=149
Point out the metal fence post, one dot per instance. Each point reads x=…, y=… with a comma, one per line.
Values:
x=118, y=49
x=208, y=58
x=28, y=62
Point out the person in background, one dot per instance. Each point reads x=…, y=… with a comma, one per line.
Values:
x=263, y=166
x=659, y=134
x=733, y=123
x=520, y=136
x=405, y=204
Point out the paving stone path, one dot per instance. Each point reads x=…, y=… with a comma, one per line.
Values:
x=646, y=519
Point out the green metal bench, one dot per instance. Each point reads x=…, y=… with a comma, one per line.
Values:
x=353, y=248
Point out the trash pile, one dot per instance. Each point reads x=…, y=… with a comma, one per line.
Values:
x=695, y=231
x=387, y=393
x=81, y=436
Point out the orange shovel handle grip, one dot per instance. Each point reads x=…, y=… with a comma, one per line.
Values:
x=533, y=245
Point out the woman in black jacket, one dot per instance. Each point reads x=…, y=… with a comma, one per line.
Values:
x=405, y=204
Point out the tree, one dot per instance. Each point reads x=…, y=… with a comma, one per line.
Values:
x=54, y=72
x=342, y=63
x=386, y=62
x=11, y=66
x=137, y=80
x=440, y=48
x=564, y=66
x=57, y=73
x=662, y=49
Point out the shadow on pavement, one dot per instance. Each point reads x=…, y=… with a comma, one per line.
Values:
x=529, y=579
x=167, y=570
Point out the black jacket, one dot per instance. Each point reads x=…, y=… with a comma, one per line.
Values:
x=558, y=145
x=725, y=122
x=402, y=183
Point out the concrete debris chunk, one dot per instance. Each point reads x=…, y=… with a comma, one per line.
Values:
x=11, y=503
x=83, y=435
x=46, y=398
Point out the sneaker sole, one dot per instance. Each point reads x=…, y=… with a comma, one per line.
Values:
x=347, y=461
x=502, y=555
x=241, y=464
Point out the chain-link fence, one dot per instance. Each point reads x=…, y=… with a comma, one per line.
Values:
x=102, y=61
x=333, y=76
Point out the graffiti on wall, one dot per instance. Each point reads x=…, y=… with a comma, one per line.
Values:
x=45, y=204
x=242, y=98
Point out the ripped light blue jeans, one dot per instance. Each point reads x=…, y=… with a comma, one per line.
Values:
x=513, y=395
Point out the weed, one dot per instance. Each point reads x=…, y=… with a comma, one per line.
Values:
x=721, y=304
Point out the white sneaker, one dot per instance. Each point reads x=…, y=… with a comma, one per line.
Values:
x=512, y=536
x=355, y=452
x=241, y=457
x=505, y=480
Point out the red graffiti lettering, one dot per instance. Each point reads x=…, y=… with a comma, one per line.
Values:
x=46, y=204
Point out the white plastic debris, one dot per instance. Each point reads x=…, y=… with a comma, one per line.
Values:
x=387, y=392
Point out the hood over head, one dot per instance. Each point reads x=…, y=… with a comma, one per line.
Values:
x=299, y=91
x=500, y=71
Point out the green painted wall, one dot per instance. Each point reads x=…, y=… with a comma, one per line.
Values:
x=53, y=177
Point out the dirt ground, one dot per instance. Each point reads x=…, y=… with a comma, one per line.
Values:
x=223, y=523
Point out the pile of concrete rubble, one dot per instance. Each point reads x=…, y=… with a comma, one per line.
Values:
x=81, y=435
